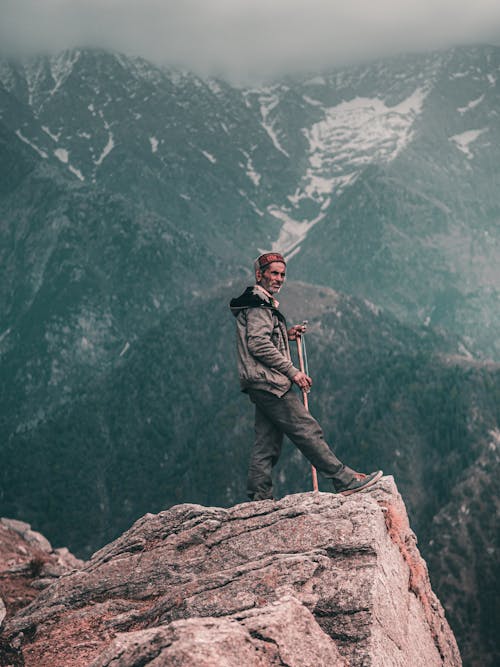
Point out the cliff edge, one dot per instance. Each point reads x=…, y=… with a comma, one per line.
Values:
x=313, y=579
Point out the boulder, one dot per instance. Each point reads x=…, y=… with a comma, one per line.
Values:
x=28, y=563
x=218, y=579
x=281, y=633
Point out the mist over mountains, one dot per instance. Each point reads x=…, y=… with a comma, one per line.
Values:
x=132, y=201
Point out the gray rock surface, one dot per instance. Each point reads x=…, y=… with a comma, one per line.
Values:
x=28, y=564
x=352, y=563
x=282, y=633
x=31, y=537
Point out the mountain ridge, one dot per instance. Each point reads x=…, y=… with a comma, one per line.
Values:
x=104, y=281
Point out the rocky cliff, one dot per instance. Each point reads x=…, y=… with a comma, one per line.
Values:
x=28, y=564
x=310, y=580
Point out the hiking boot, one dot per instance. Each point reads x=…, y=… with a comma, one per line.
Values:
x=357, y=475
x=356, y=484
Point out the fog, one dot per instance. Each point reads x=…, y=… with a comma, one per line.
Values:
x=248, y=38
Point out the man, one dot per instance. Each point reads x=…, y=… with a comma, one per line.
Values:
x=267, y=374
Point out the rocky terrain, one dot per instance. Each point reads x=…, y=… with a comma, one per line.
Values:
x=28, y=565
x=308, y=581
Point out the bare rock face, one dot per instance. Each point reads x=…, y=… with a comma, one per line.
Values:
x=282, y=633
x=28, y=564
x=313, y=579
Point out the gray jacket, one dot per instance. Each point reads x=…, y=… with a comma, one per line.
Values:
x=264, y=360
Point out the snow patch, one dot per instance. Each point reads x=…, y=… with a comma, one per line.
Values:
x=274, y=138
x=61, y=67
x=354, y=134
x=35, y=75
x=250, y=171
x=366, y=127
x=209, y=156
x=5, y=334
x=106, y=150
x=256, y=208
x=294, y=252
x=462, y=141
x=76, y=172
x=376, y=310
x=106, y=124
x=268, y=100
x=40, y=152
x=54, y=137
x=62, y=155
x=154, y=144
x=292, y=231
x=350, y=136
x=125, y=348
x=472, y=105
x=309, y=100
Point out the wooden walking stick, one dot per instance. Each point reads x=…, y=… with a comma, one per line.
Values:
x=303, y=367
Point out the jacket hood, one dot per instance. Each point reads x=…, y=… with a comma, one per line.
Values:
x=251, y=299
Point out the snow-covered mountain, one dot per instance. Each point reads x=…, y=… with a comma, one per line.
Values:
x=381, y=180
x=397, y=199
x=164, y=139
x=130, y=195
x=340, y=145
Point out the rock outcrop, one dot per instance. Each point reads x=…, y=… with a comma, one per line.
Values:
x=28, y=564
x=281, y=633
x=310, y=580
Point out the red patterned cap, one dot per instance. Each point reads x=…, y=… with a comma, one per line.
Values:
x=267, y=258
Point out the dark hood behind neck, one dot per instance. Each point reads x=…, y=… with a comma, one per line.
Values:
x=251, y=299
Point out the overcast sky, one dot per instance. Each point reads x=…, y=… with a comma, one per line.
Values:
x=249, y=37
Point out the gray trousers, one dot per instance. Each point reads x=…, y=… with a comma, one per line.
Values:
x=275, y=417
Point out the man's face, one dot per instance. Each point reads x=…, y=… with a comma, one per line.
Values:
x=272, y=277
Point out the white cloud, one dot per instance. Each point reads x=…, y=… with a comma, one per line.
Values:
x=248, y=37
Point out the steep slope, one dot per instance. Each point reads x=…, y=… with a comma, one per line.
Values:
x=85, y=274
x=173, y=144
x=123, y=188
x=464, y=549
x=375, y=171
x=378, y=179
x=398, y=198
